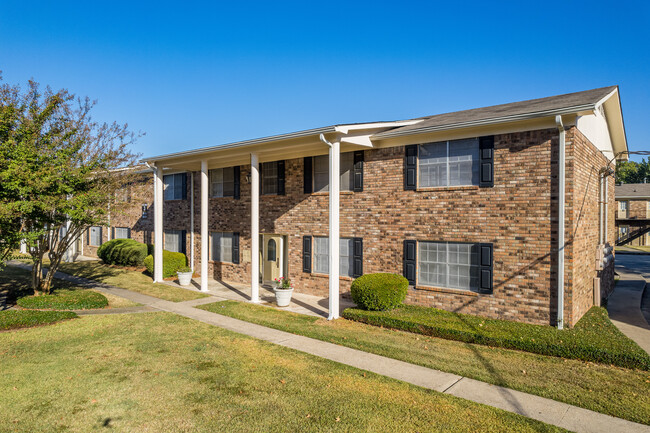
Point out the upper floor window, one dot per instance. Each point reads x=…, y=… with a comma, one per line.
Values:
x=449, y=163
x=623, y=205
x=122, y=194
x=222, y=182
x=269, y=178
x=321, y=172
x=175, y=186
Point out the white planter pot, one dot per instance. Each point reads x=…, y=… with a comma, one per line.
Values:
x=184, y=278
x=283, y=297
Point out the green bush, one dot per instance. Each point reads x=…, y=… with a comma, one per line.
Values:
x=13, y=319
x=379, y=291
x=172, y=262
x=594, y=338
x=124, y=252
x=64, y=299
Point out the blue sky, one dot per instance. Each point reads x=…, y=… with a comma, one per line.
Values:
x=194, y=74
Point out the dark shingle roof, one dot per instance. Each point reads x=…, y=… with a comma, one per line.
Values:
x=640, y=190
x=551, y=103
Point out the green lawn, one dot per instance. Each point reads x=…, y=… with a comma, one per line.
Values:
x=594, y=338
x=645, y=249
x=14, y=319
x=158, y=372
x=616, y=391
x=130, y=280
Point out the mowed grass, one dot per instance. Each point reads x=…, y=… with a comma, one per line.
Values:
x=131, y=280
x=15, y=282
x=14, y=319
x=615, y=391
x=158, y=372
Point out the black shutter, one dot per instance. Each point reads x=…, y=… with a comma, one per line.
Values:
x=101, y=235
x=237, y=182
x=112, y=233
x=308, y=175
x=235, y=248
x=184, y=186
x=306, y=254
x=486, y=161
x=410, y=167
x=357, y=270
x=486, y=258
x=128, y=233
x=281, y=178
x=358, y=171
x=183, y=242
x=410, y=260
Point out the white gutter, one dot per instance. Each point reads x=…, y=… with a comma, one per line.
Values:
x=560, y=231
x=512, y=118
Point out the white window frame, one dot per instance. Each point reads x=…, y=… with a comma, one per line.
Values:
x=116, y=236
x=218, y=182
x=447, y=163
x=224, y=252
x=345, y=171
x=170, y=189
x=345, y=260
x=445, y=266
x=180, y=241
x=90, y=236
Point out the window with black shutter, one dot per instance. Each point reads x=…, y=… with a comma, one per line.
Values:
x=486, y=161
x=281, y=175
x=237, y=182
x=486, y=260
x=411, y=167
x=357, y=261
x=308, y=177
x=358, y=171
x=235, y=248
x=306, y=254
x=410, y=260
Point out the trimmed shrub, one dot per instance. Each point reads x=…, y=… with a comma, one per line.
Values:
x=124, y=252
x=64, y=299
x=172, y=262
x=14, y=319
x=379, y=292
x=594, y=338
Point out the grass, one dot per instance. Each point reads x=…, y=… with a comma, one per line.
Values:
x=594, y=338
x=615, y=391
x=14, y=319
x=645, y=249
x=131, y=280
x=172, y=374
x=65, y=299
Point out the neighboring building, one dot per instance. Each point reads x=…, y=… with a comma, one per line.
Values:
x=130, y=215
x=633, y=214
x=466, y=205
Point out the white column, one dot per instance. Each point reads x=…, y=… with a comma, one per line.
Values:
x=192, y=220
x=205, y=237
x=255, y=228
x=158, y=225
x=334, y=183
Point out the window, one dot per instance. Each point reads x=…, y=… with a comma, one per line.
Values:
x=271, y=254
x=95, y=236
x=321, y=172
x=623, y=206
x=222, y=246
x=222, y=182
x=174, y=185
x=145, y=211
x=121, y=233
x=269, y=178
x=174, y=241
x=623, y=231
x=449, y=163
x=122, y=194
x=321, y=256
x=450, y=265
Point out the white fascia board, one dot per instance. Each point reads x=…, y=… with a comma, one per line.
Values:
x=361, y=140
x=345, y=129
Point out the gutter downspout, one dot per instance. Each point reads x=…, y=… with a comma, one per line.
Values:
x=561, y=219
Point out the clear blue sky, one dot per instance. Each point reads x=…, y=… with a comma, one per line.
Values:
x=193, y=74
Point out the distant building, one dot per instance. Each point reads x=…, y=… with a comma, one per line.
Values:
x=633, y=214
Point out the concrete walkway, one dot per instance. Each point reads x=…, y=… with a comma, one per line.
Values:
x=539, y=408
x=624, y=308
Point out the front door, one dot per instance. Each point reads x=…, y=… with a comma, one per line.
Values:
x=272, y=257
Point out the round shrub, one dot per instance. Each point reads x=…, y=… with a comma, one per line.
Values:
x=124, y=252
x=379, y=292
x=172, y=262
x=79, y=299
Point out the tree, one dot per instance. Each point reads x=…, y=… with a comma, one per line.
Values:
x=633, y=172
x=57, y=172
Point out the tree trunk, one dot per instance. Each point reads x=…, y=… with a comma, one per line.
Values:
x=37, y=275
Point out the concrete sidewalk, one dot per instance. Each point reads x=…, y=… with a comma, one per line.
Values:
x=539, y=408
x=624, y=308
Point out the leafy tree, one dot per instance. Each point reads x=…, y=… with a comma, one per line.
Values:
x=633, y=172
x=57, y=172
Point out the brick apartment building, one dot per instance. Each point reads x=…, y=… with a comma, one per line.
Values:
x=633, y=214
x=466, y=205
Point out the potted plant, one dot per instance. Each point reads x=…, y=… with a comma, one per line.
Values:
x=283, y=290
x=184, y=276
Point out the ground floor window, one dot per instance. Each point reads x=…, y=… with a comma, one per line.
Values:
x=448, y=265
x=222, y=246
x=321, y=256
x=122, y=233
x=95, y=236
x=175, y=241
